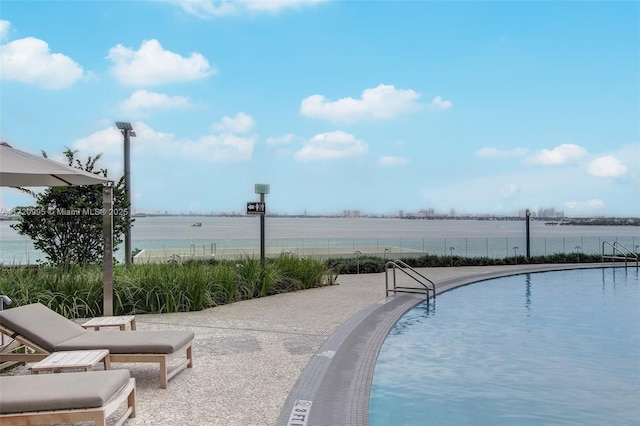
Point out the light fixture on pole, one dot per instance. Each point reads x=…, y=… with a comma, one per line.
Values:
x=127, y=132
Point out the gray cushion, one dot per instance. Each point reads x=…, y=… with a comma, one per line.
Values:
x=41, y=325
x=129, y=342
x=54, y=332
x=64, y=391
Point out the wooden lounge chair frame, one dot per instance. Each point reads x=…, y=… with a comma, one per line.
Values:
x=162, y=360
x=97, y=414
x=28, y=351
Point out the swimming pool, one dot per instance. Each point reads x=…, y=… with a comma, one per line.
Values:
x=554, y=348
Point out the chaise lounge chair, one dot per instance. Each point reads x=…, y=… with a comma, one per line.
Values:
x=43, y=330
x=66, y=398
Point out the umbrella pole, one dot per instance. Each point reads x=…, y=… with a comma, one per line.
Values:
x=107, y=265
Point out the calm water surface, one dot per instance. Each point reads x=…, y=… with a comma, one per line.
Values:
x=177, y=232
x=556, y=348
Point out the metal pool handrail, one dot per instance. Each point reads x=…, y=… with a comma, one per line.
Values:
x=411, y=273
x=624, y=252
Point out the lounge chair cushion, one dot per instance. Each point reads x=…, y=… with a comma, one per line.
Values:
x=44, y=327
x=53, y=332
x=44, y=392
x=129, y=342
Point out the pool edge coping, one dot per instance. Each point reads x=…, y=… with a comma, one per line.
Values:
x=336, y=384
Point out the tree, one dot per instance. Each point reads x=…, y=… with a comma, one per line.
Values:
x=66, y=222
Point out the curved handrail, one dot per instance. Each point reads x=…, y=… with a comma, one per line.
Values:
x=399, y=264
x=627, y=252
x=619, y=251
x=404, y=265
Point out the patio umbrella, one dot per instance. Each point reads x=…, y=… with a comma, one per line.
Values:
x=21, y=169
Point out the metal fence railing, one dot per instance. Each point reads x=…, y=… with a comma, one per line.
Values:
x=491, y=247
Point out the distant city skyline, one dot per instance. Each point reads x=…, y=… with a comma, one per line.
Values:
x=380, y=106
x=546, y=213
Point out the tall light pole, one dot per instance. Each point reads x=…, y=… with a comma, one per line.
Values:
x=127, y=132
x=528, y=216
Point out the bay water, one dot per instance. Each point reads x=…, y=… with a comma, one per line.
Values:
x=375, y=236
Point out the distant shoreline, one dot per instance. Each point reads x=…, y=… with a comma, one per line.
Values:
x=549, y=221
x=582, y=221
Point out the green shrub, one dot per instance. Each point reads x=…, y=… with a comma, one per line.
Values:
x=372, y=264
x=351, y=265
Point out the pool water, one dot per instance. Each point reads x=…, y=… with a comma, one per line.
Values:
x=551, y=348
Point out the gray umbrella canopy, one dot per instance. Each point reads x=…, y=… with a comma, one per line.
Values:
x=19, y=168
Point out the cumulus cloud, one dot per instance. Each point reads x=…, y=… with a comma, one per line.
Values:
x=143, y=100
x=607, y=166
x=594, y=203
x=491, y=152
x=4, y=28
x=150, y=143
x=392, y=161
x=221, y=148
x=440, y=103
x=152, y=65
x=381, y=102
x=109, y=142
x=106, y=140
x=213, y=8
x=241, y=123
x=281, y=140
x=30, y=61
x=562, y=154
x=331, y=145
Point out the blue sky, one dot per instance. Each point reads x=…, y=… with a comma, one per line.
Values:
x=377, y=106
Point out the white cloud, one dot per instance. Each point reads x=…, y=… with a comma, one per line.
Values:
x=241, y=123
x=152, y=65
x=592, y=204
x=109, y=141
x=562, y=154
x=142, y=100
x=331, y=145
x=213, y=8
x=491, y=152
x=392, y=161
x=208, y=8
x=440, y=103
x=275, y=6
x=221, y=148
x=30, y=61
x=382, y=102
x=4, y=28
x=150, y=144
x=105, y=140
x=607, y=166
x=281, y=140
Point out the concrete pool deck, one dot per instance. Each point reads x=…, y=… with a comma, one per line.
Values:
x=253, y=359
